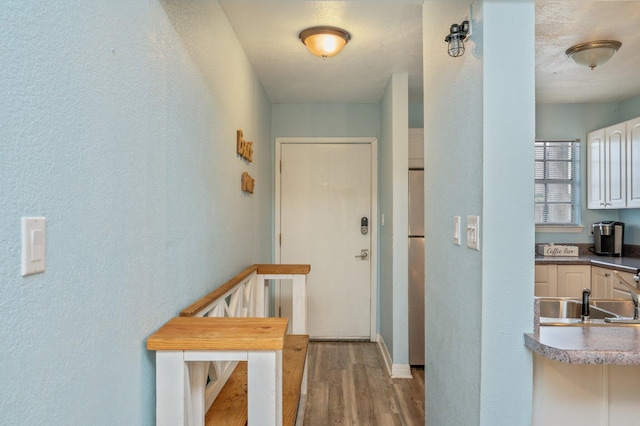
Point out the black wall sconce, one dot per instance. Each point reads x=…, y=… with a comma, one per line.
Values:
x=455, y=39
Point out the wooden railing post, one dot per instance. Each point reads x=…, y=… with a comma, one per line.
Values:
x=299, y=321
x=298, y=274
x=171, y=374
x=262, y=296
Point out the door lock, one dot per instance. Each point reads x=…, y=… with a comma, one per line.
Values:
x=364, y=254
x=364, y=225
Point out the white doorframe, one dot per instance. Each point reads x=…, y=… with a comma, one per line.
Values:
x=373, y=225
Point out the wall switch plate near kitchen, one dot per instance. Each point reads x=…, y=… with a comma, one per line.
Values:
x=33, y=245
x=473, y=232
x=456, y=230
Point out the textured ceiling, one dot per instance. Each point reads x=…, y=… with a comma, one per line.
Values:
x=560, y=25
x=387, y=38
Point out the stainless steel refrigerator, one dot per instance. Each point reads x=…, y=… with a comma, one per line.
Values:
x=416, y=267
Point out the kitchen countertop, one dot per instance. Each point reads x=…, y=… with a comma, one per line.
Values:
x=587, y=345
x=626, y=264
x=584, y=344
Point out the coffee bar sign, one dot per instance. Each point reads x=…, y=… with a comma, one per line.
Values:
x=245, y=150
x=557, y=250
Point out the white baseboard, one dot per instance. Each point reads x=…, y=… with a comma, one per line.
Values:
x=401, y=371
x=395, y=371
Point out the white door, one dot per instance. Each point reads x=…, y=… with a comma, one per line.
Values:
x=325, y=193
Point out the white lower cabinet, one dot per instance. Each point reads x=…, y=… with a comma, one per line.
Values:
x=605, y=285
x=620, y=291
x=601, y=283
x=562, y=280
x=572, y=279
x=546, y=280
x=585, y=395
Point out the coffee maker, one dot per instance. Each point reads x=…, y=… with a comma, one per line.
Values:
x=608, y=237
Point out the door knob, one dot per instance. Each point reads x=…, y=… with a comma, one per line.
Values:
x=364, y=254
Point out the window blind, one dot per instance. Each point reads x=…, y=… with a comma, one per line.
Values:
x=557, y=182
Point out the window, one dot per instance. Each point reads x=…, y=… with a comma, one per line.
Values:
x=557, y=186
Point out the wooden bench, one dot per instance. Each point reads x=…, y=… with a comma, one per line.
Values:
x=230, y=407
x=227, y=329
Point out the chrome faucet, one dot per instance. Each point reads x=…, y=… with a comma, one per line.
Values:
x=635, y=293
x=585, y=314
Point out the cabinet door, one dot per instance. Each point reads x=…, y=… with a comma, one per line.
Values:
x=619, y=291
x=616, y=164
x=546, y=277
x=633, y=162
x=601, y=283
x=595, y=170
x=572, y=279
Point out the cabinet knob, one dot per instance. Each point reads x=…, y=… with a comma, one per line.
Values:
x=607, y=275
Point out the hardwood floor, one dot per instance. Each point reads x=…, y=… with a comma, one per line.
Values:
x=349, y=385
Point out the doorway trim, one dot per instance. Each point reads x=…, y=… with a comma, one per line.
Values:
x=373, y=141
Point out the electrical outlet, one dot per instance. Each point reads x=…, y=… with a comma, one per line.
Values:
x=473, y=232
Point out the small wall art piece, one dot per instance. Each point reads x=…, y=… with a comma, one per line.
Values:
x=244, y=148
x=248, y=183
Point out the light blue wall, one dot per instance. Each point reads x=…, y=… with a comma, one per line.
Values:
x=475, y=107
x=575, y=121
x=453, y=187
x=416, y=115
x=325, y=120
x=394, y=165
x=629, y=109
x=385, y=200
x=400, y=182
x=508, y=230
x=118, y=125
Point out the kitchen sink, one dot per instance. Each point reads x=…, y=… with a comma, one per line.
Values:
x=620, y=307
x=561, y=308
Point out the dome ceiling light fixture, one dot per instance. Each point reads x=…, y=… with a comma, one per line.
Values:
x=323, y=41
x=593, y=53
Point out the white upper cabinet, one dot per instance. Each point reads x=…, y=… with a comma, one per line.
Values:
x=613, y=166
x=633, y=158
x=595, y=169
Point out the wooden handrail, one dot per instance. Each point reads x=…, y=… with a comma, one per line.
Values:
x=265, y=269
x=203, y=302
x=276, y=269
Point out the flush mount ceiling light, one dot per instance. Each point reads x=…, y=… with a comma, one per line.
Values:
x=593, y=53
x=324, y=41
x=455, y=39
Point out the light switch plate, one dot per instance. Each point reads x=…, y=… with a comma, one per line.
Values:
x=456, y=230
x=33, y=245
x=473, y=232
